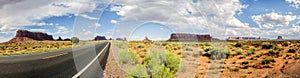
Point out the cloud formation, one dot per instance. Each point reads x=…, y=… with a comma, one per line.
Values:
x=215, y=16
x=294, y=3
x=269, y=20
x=18, y=13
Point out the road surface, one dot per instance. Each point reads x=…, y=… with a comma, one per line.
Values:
x=56, y=64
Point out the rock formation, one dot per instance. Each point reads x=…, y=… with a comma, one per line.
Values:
x=190, y=37
x=24, y=35
x=146, y=39
x=67, y=39
x=59, y=39
x=279, y=38
x=246, y=38
x=100, y=38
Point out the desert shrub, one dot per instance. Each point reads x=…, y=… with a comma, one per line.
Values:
x=250, y=52
x=256, y=44
x=127, y=57
x=285, y=44
x=228, y=53
x=267, y=46
x=208, y=49
x=246, y=66
x=162, y=64
x=245, y=62
x=207, y=54
x=185, y=54
x=139, y=46
x=2, y=48
x=164, y=72
x=239, y=44
x=236, y=69
x=239, y=51
x=75, y=40
x=217, y=54
x=188, y=49
x=292, y=50
x=296, y=57
x=271, y=52
x=198, y=53
x=268, y=60
x=138, y=71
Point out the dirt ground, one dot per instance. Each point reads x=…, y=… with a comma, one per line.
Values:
x=238, y=65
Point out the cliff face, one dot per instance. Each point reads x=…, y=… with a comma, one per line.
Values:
x=100, y=38
x=24, y=35
x=190, y=37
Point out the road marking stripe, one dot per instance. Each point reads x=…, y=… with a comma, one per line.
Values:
x=48, y=57
x=87, y=66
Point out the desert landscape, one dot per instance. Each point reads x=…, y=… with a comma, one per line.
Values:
x=226, y=59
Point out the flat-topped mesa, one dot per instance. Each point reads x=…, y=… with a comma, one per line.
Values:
x=24, y=35
x=100, y=38
x=190, y=37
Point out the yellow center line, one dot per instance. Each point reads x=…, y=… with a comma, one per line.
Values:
x=52, y=56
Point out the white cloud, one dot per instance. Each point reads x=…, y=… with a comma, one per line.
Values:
x=205, y=14
x=88, y=17
x=113, y=21
x=61, y=30
x=38, y=30
x=97, y=25
x=17, y=13
x=294, y=3
x=272, y=19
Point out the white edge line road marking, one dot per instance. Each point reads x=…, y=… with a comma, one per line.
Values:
x=87, y=66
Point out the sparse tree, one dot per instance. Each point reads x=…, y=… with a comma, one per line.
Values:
x=75, y=40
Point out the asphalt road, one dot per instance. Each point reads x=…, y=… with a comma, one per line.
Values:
x=56, y=64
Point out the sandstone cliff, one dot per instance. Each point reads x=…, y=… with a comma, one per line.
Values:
x=190, y=37
x=24, y=35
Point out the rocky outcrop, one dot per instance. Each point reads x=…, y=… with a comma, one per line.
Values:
x=24, y=35
x=190, y=37
x=59, y=39
x=146, y=39
x=100, y=38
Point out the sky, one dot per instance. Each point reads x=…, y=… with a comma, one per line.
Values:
x=156, y=19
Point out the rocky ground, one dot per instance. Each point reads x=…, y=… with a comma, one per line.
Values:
x=112, y=69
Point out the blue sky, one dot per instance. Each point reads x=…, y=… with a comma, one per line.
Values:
x=156, y=19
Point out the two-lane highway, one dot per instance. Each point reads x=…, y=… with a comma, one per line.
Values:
x=57, y=64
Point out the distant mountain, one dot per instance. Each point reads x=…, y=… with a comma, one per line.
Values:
x=24, y=35
x=100, y=38
x=190, y=37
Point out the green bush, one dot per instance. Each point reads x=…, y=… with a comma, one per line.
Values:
x=137, y=72
x=139, y=46
x=239, y=44
x=285, y=44
x=239, y=51
x=162, y=64
x=164, y=72
x=292, y=50
x=268, y=60
x=75, y=40
x=267, y=46
x=185, y=54
x=271, y=52
x=125, y=57
x=236, y=69
x=296, y=57
x=251, y=52
x=228, y=53
x=208, y=49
